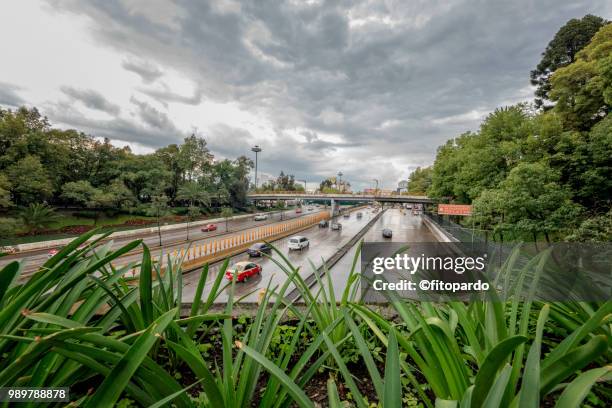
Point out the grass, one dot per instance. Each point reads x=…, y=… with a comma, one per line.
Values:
x=113, y=339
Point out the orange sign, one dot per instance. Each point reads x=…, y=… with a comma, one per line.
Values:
x=454, y=209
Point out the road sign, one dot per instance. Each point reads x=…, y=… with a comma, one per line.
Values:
x=454, y=209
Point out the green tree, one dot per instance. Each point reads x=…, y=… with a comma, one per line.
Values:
x=561, y=51
x=419, y=180
x=195, y=195
x=5, y=192
x=36, y=217
x=30, y=181
x=227, y=212
x=530, y=200
x=581, y=89
x=8, y=226
x=158, y=209
x=78, y=192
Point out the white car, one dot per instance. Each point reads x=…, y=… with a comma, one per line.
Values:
x=298, y=242
x=260, y=217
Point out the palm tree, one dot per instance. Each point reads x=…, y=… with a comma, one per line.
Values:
x=37, y=216
x=195, y=195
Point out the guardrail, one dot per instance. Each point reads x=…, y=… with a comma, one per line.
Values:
x=195, y=256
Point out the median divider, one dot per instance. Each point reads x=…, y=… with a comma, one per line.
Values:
x=196, y=256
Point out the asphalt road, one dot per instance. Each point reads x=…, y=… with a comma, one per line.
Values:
x=323, y=243
x=171, y=240
x=406, y=228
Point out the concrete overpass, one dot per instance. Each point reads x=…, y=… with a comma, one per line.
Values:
x=396, y=198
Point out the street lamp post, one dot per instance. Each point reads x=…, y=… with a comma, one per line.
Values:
x=376, y=189
x=340, y=181
x=256, y=149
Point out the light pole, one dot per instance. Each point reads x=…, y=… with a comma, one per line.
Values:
x=376, y=189
x=256, y=149
x=340, y=181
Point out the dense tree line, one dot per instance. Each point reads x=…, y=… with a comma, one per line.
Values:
x=284, y=182
x=546, y=171
x=43, y=165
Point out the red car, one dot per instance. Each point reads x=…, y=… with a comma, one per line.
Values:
x=209, y=227
x=243, y=271
x=298, y=210
x=52, y=252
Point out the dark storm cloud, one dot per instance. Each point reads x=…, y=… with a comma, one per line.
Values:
x=9, y=95
x=91, y=99
x=118, y=128
x=147, y=72
x=392, y=80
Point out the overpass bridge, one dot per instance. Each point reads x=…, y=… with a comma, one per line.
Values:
x=396, y=198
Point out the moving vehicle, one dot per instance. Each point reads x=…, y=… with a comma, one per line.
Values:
x=243, y=271
x=260, y=217
x=298, y=242
x=309, y=208
x=323, y=224
x=209, y=228
x=346, y=215
x=359, y=214
x=387, y=233
x=298, y=210
x=52, y=252
x=259, y=249
x=336, y=226
x=8, y=250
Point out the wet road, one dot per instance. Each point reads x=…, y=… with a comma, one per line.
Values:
x=406, y=228
x=174, y=239
x=323, y=243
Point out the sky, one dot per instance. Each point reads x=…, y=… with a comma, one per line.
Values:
x=370, y=88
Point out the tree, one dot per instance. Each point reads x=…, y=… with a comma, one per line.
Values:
x=78, y=192
x=195, y=195
x=158, y=208
x=561, y=51
x=227, y=212
x=531, y=200
x=8, y=226
x=596, y=229
x=30, y=181
x=582, y=90
x=5, y=192
x=36, y=217
x=419, y=180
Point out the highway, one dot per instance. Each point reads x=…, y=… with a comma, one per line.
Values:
x=406, y=228
x=171, y=239
x=323, y=244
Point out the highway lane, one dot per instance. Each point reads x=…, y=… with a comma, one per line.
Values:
x=171, y=240
x=406, y=228
x=323, y=243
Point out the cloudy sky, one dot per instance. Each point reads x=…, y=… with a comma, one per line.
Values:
x=368, y=87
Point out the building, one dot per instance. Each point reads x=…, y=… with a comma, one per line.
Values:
x=402, y=186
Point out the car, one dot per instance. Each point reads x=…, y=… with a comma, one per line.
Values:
x=387, y=233
x=243, y=271
x=260, y=217
x=359, y=214
x=336, y=226
x=309, y=208
x=209, y=228
x=347, y=215
x=7, y=250
x=323, y=224
x=52, y=252
x=298, y=242
x=259, y=249
x=298, y=210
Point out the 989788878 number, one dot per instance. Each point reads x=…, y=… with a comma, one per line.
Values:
x=33, y=394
